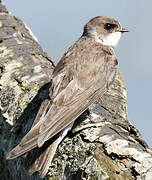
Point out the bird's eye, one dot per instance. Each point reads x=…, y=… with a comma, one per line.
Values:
x=109, y=26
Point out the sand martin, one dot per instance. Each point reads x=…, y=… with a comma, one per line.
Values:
x=83, y=74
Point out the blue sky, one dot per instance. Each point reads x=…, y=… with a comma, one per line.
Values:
x=58, y=24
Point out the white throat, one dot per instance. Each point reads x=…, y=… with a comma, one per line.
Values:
x=111, y=40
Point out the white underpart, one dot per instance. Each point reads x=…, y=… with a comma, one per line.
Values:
x=111, y=40
x=65, y=131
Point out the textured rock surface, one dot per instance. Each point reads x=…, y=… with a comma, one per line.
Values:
x=102, y=145
x=24, y=69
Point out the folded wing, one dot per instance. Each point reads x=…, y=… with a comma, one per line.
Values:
x=73, y=92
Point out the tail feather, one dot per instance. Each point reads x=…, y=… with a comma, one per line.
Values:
x=42, y=163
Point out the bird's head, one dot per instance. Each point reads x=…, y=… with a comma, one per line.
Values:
x=104, y=30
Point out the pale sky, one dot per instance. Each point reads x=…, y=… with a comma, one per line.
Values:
x=58, y=24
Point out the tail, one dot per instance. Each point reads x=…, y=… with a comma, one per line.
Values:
x=43, y=162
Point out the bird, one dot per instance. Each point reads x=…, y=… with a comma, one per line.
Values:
x=83, y=74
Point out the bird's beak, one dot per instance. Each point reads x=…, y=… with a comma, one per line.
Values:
x=124, y=30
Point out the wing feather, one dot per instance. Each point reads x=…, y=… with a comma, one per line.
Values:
x=69, y=114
